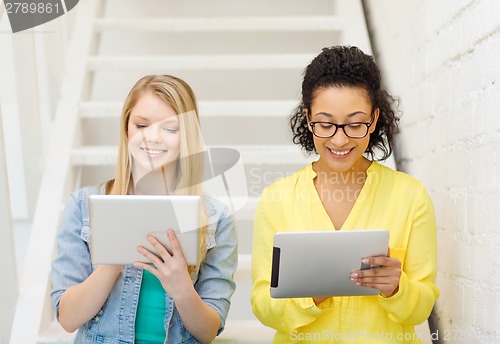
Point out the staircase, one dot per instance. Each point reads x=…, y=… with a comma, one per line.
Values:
x=244, y=61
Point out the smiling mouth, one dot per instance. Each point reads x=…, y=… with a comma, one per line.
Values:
x=341, y=153
x=153, y=152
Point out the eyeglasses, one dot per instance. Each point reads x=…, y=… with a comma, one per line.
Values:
x=354, y=130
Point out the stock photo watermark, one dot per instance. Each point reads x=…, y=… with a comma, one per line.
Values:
x=27, y=14
x=365, y=335
x=336, y=187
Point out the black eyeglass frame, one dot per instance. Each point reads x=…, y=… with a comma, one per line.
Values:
x=342, y=126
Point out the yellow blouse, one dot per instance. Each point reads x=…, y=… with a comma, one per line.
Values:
x=389, y=199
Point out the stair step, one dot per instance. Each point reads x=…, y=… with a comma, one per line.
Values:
x=243, y=273
x=245, y=332
x=222, y=24
x=248, y=211
x=202, y=62
x=250, y=155
x=235, y=332
x=250, y=108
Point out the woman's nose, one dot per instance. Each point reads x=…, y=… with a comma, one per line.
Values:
x=340, y=138
x=152, y=133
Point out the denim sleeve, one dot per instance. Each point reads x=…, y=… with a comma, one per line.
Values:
x=215, y=283
x=72, y=264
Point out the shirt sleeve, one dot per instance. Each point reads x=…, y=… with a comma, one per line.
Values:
x=417, y=293
x=281, y=314
x=72, y=264
x=215, y=283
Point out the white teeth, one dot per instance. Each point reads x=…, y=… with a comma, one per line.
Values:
x=340, y=153
x=153, y=151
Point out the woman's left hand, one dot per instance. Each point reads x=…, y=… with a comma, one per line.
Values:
x=169, y=268
x=384, y=277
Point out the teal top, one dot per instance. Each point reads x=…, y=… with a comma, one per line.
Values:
x=150, y=317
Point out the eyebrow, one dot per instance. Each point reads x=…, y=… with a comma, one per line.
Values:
x=139, y=117
x=172, y=119
x=352, y=114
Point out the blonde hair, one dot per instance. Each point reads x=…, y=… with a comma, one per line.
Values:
x=189, y=170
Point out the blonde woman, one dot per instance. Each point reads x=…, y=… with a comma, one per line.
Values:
x=164, y=302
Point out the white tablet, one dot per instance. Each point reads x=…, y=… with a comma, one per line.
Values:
x=320, y=263
x=120, y=223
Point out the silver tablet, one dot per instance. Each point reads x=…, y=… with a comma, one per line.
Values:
x=320, y=263
x=120, y=223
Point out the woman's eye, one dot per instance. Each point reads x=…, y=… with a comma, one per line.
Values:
x=354, y=125
x=140, y=126
x=326, y=125
x=171, y=130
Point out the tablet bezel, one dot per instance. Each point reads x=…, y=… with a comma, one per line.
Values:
x=120, y=223
x=301, y=261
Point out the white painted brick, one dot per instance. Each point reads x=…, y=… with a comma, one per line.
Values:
x=488, y=11
x=459, y=212
x=440, y=91
x=486, y=310
x=488, y=109
x=471, y=210
x=482, y=262
x=449, y=80
x=488, y=212
x=497, y=162
x=469, y=306
x=458, y=260
x=455, y=304
x=460, y=173
x=439, y=199
x=483, y=166
x=443, y=246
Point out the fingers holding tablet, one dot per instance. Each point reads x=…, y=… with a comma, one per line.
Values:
x=169, y=267
x=383, y=275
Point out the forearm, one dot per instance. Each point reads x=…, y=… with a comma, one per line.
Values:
x=283, y=314
x=412, y=303
x=201, y=320
x=82, y=302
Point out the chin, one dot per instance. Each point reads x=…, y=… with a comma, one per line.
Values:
x=341, y=165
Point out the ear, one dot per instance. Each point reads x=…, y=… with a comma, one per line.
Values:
x=376, y=114
x=306, y=112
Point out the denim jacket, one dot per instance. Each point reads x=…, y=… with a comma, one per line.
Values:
x=115, y=322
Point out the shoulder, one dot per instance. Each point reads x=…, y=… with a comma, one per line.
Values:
x=398, y=182
x=220, y=222
x=214, y=207
x=398, y=178
x=219, y=215
x=80, y=198
x=81, y=195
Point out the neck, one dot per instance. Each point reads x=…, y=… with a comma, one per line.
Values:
x=355, y=176
x=157, y=182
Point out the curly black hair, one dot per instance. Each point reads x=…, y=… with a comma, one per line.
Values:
x=346, y=66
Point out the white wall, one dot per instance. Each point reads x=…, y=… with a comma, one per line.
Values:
x=443, y=59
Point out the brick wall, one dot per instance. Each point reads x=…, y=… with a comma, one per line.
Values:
x=442, y=58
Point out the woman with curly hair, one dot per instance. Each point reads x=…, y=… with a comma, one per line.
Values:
x=348, y=119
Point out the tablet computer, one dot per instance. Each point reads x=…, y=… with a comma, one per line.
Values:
x=320, y=263
x=120, y=223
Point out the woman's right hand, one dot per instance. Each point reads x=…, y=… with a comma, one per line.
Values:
x=83, y=301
